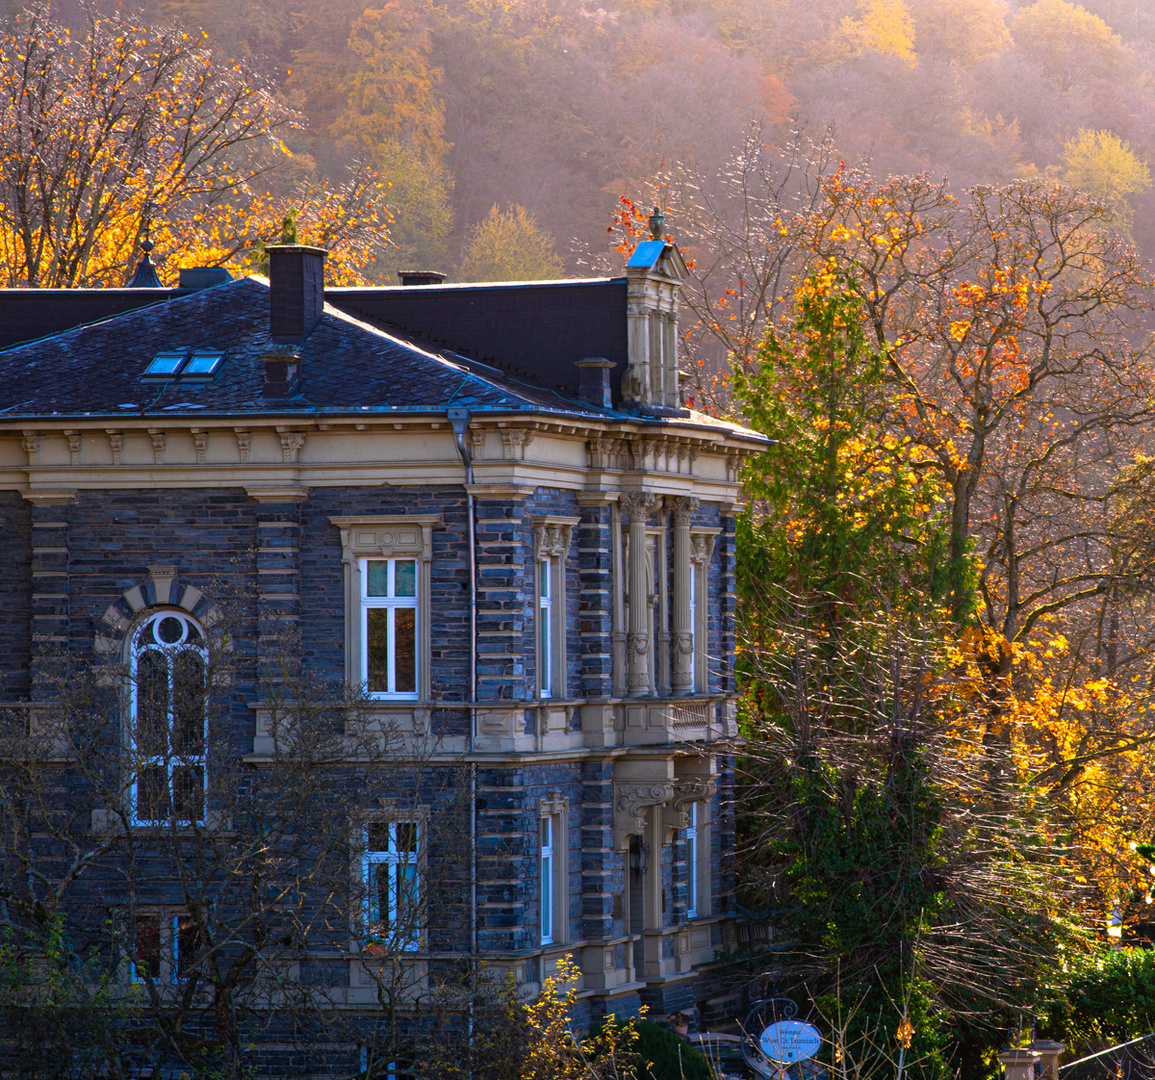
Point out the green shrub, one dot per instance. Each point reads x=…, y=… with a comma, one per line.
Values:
x=668, y=1056
x=1109, y=997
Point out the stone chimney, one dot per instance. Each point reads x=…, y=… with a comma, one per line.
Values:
x=296, y=291
x=420, y=277
x=594, y=386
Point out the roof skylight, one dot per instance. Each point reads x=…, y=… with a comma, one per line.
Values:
x=164, y=365
x=202, y=365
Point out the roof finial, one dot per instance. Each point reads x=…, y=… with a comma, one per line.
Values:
x=657, y=225
x=288, y=230
x=144, y=276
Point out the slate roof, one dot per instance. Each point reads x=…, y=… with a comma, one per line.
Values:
x=346, y=366
x=535, y=330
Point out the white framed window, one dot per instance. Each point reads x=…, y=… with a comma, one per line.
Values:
x=389, y=627
x=168, y=720
x=387, y=603
x=552, y=866
x=697, y=840
x=548, y=883
x=695, y=682
x=692, y=862
x=551, y=544
x=391, y=874
x=701, y=551
x=545, y=627
x=165, y=947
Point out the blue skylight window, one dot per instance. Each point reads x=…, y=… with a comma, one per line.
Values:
x=202, y=365
x=164, y=365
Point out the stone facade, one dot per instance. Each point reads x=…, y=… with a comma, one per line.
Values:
x=107, y=518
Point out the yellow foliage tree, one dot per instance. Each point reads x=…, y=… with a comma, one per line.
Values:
x=885, y=26
x=1103, y=165
x=554, y=1052
x=510, y=246
x=127, y=132
x=1068, y=42
x=965, y=31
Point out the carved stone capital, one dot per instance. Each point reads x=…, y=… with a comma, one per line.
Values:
x=554, y=803
x=701, y=548
x=291, y=443
x=514, y=442
x=682, y=509
x=158, y=444
x=603, y=453
x=554, y=540
x=637, y=506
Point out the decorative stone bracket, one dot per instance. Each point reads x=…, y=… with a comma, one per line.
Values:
x=631, y=801
x=676, y=814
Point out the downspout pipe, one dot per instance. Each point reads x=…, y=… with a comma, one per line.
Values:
x=459, y=419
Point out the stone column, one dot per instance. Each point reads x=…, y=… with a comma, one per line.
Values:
x=1049, y=1052
x=682, y=636
x=1019, y=1064
x=637, y=507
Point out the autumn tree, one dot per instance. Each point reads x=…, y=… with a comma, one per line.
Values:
x=1104, y=166
x=509, y=245
x=127, y=132
x=1072, y=45
x=901, y=882
x=106, y=133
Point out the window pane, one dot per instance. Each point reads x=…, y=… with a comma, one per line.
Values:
x=379, y=892
x=377, y=837
x=188, y=783
x=151, y=704
x=377, y=649
x=152, y=794
x=405, y=651
x=169, y=630
x=146, y=946
x=407, y=837
x=187, y=945
x=407, y=900
x=405, y=578
x=377, y=577
x=547, y=898
x=188, y=735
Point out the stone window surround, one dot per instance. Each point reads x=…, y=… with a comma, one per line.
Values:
x=556, y=807
x=387, y=815
x=387, y=536
x=552, y=539
x=169, y=760
x=702, y=542
x=168, y=918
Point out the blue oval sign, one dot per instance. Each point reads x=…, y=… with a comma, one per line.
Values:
x=790, y=1040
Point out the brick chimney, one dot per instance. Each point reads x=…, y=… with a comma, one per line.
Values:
x=296, y=291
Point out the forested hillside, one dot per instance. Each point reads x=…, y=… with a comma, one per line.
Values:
x=562, y=106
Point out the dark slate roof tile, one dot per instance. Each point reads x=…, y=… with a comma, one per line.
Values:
x=345, y=364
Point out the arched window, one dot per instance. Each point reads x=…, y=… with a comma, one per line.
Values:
x=168, y=719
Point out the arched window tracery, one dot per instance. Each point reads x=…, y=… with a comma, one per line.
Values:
x=167, y=730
